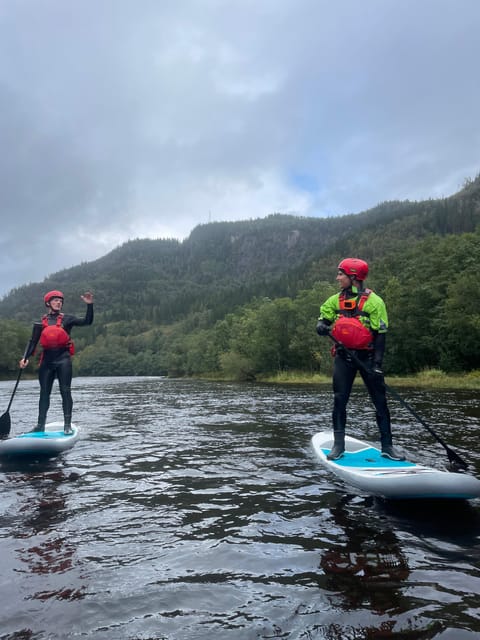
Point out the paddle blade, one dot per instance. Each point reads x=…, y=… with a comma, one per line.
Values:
x=5, y=425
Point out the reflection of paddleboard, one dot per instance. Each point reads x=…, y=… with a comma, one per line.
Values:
x=363, y=466
x=44, y=444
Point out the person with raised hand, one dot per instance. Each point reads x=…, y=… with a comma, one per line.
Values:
x=53, y=334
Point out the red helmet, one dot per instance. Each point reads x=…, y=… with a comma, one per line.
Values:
x=52, y=294
x=354, y=267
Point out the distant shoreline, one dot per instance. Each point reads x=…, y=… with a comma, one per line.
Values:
x=428, y=379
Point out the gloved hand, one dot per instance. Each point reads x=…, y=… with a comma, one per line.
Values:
x=323, y=329
x=341, y=351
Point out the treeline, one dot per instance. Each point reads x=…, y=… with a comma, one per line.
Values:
x=431, y=293
x=242, y=299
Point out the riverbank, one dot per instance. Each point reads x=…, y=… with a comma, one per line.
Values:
x=428, y=379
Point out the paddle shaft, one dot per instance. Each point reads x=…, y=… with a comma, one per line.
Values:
x=14, y=390
x=18, y=379
x=5, y=421
x=452, y=455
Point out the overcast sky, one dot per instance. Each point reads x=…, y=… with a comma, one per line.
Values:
x=126, y=119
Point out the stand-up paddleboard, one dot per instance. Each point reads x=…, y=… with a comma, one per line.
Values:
x=40, y=444
x=363, y=466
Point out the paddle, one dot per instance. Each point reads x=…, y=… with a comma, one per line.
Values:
x=5, y=422
x=454, y=458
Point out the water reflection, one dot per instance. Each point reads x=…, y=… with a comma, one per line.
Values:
x=366, y=562
x=41, y=515
x=365, y=568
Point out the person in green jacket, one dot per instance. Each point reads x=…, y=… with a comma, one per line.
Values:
x=357, y=318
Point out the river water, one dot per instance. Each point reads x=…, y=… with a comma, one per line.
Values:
x=196, y=510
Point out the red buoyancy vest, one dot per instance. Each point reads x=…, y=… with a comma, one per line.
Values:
x=54, y=336
x=348, y=329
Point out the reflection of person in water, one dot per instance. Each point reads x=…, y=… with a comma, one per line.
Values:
x=369, y=565
x=54, y=554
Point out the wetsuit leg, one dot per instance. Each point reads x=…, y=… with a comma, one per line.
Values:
x=46, y=377
x=377, y=393
x=343, y=376
x=344, y=373
x=64, y=375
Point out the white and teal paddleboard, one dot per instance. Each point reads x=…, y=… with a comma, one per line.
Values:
x=41, y=444
x=363, y=466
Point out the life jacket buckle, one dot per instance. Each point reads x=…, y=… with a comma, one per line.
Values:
x=349, y=305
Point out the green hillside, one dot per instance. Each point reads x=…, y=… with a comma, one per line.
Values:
x=243, y=297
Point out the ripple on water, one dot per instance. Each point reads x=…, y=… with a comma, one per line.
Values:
x=194, y=510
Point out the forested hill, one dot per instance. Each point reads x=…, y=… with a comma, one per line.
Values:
x=223, y=264
x=150, y=285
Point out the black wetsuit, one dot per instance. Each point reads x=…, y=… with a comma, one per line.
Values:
x=57, y=363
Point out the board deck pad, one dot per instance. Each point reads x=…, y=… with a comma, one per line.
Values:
x=45, y=435
x=368, y=458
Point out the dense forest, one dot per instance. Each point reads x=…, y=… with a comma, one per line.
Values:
x=240, y=299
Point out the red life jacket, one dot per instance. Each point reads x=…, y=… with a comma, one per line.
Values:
x=348, y=328
x=54, y=336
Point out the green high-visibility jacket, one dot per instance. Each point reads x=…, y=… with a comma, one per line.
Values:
x=374, y=315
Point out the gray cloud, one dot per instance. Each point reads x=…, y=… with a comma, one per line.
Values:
x=125, y=118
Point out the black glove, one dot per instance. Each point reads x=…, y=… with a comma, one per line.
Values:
x=323, y=329
x=341, y=351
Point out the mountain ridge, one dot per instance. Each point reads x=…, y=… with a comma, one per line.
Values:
x=252, y=254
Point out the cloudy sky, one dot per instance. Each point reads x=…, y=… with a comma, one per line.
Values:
x=144, y=118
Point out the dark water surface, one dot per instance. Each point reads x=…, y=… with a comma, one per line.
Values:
x=194, y=510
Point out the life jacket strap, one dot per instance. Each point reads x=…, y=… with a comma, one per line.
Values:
x=352, y=307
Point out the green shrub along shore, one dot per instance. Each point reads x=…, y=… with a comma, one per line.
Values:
x=428, y=379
